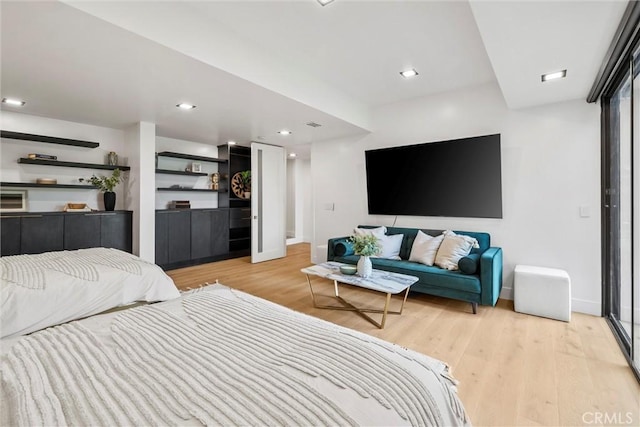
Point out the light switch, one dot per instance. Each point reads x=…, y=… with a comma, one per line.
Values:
x=585, y=211
x=329, y=206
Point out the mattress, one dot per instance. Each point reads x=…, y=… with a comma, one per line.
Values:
x=218, y=356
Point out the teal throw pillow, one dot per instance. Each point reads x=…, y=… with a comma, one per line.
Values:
x=469, y=264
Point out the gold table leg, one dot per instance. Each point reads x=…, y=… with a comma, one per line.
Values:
x=347, y=306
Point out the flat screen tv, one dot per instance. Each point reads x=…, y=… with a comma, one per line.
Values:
x=456, y=178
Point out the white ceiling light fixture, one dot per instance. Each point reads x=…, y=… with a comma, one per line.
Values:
x=555, y=75
x=409, y=73
x=185, y=106
x=14, y=102
x=324, y=2
x=284, y=132
x=292, y=155
x=231, y=142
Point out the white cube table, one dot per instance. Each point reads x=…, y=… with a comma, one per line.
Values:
x=542, y=292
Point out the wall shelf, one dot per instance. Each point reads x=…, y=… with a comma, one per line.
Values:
x=190, y=189
x=172, y=172
x=47, y=162
x=47, y=139
x=190, y=157
x=35, y=185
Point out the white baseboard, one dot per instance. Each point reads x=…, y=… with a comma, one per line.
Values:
x=294, y=240
x=577, y=305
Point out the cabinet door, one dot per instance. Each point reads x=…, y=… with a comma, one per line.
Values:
x=10, y=236
x=179, y=236
x=162, y=238
x=41, y=233
x=220, y=232
x=115, y=230
x=81, y=231
x=201, y=244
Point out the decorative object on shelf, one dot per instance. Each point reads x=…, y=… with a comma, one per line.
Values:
x=196, y=167
x=76, y=207
x=48, y=181
x=107, y=184
x=42, y=156
x=156, y=160
x=365, y=245
x=112, y=158
x=241, y=184
x=215, y=181
x=13, y=201
x=180, y=204
x=176, y=186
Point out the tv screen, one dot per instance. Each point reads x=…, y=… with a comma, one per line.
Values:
x=456, y=178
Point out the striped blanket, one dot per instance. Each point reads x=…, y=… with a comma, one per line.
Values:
x=220, y=357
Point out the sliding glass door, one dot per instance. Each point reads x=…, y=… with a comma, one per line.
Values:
x=621, y=291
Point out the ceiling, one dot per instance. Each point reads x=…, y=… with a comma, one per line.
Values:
x=256, y=67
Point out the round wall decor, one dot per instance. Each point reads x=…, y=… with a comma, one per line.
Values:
x=237, y=187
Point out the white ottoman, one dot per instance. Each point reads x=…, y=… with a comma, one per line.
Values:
x=542, y=292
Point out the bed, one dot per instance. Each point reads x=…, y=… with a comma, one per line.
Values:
x=218, y=356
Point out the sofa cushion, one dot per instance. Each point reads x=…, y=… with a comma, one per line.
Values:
x=469, y=264
x=424, y=248
x=343, y=247
x=389, y=246
x=453, y=247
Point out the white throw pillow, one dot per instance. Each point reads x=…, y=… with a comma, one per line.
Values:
x=425, y=247
x=378, y=231
x=453, y=247
x=390, y=246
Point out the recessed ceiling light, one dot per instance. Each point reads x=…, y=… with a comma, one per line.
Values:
x=554, y=75
x=186, y=106
x=231, y=142
x=292, y=154
x=284, y=132
x=324, y=2
x=409, y=73
x=12, y=101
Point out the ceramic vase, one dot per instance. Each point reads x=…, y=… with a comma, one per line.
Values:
x=109, y=200
x=364, y=266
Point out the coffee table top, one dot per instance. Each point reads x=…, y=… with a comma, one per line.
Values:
x=382, y=281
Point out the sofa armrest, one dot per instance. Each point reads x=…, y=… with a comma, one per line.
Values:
x=490, y=275
x=331, y=244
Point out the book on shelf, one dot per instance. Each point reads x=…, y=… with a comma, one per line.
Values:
x=42, y=156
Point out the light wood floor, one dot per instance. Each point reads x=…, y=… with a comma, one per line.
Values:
x=513, y=369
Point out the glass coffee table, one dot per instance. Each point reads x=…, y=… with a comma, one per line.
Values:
x=381, y=281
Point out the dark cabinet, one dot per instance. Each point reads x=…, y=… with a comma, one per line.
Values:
x=238, y=159
x=81, y=231
x=31, y=233
x=10, y=236
x=185, y=237
x=41, y=233
x=116, y=229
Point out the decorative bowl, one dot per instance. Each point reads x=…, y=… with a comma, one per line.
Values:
x=348, y=269
x=77, y=205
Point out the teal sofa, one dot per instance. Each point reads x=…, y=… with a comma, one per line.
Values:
x=482, y=286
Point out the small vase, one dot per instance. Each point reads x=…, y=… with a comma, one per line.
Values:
x=112, y=158
x=364, y=266
x=109, y=200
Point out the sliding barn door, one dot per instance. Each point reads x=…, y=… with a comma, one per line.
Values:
x=268, y=202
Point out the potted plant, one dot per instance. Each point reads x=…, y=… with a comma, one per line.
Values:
x=365, y=245
x=245, y=179
x=106, y=184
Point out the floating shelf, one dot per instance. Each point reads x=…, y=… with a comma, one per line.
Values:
x=33, y=184
x=47, y=139
x=190, y=157
x=172, y=172
x=191, y=189
x=46, y=162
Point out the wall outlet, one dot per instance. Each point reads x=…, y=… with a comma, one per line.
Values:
x=585, y=211
x=329, y=206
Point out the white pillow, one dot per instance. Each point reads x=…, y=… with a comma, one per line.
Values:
x=390, y=246
x=453, y=247
x=425, y=247
x=378, y=231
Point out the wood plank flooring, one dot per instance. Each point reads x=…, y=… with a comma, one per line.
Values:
x=514, y=369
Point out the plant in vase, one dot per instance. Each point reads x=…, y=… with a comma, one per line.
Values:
x=245, y=180
x=366, y=246
x=106, y=184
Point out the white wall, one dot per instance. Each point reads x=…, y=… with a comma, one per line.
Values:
x=550, y=168
x=45, y=200
x=199, y=200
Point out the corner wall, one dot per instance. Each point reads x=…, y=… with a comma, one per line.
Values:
x=550, y=168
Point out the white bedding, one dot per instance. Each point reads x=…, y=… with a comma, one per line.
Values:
x=37, y=291
x=219, y=357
